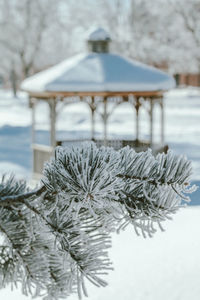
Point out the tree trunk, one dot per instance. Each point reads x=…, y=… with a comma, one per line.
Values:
x=13, y=79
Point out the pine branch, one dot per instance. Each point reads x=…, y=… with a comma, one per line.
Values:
x=16, y=250
x=62, y=229
x=148, y=180
x=13, y=199
x=67, y=244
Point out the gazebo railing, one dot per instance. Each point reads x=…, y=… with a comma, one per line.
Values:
x=42, y=154
x=116, y=144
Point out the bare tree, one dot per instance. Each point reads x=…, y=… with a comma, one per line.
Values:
x=187, y=12
x=24, y=31
x=36, y=34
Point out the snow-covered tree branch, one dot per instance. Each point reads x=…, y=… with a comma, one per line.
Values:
x=56, y=238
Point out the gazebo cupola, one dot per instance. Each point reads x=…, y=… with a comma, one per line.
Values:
x=98, y=41
x=98, y=78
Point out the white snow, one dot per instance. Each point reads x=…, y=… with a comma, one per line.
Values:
x=18, y=171
x=14, y=111
x=98, y=72
x=183, y=92
x=165, y=267
x=99, y=34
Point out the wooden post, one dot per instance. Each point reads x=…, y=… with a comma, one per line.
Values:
x=162, y=122
x=52, y=106
x=93, y=108
x=151, y=121
x=32, y=104
x=105, y=118
x=137, y=107
x=33, y=130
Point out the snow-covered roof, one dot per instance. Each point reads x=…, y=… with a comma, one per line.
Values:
x=98, y=72
x=99, y=34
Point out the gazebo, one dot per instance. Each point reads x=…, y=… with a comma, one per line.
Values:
x=98, y=77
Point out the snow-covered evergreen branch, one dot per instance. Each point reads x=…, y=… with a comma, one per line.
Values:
x=57, y=236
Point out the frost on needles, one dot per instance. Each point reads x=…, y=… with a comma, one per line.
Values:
x=56, y=238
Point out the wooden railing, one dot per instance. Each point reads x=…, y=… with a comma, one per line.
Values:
x=42, y=154
x=117, y=144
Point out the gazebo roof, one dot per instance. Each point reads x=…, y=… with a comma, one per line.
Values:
x=98, y=72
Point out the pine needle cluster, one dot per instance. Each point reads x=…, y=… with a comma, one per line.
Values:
x=56, y=238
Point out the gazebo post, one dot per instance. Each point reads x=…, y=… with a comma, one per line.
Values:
x=137, y=107
x=93, y=108
x=105, y=118
x=162, y=122
x=32, y=105
x=151, y=121
x=52, y=106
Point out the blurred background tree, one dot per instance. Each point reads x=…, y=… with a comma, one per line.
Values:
x=37, y=34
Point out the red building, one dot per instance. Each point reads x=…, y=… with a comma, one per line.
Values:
x=187, y=79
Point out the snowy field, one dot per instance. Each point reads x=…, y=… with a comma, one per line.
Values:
x=165, y=267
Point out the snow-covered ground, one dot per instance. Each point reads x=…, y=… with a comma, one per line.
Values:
x=166, y=267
